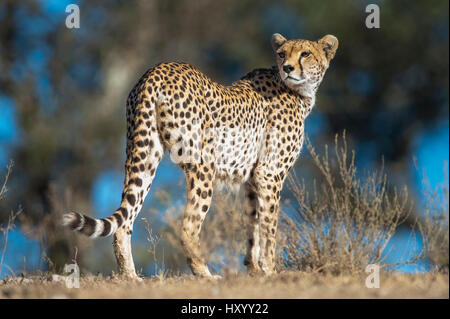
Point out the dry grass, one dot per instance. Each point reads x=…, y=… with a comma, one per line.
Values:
x=284, y=285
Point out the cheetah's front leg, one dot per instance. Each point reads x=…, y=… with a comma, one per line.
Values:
x=269, y=202
x=251, y=260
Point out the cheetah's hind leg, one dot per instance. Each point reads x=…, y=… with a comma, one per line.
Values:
x=144, y=153
x=199, y=180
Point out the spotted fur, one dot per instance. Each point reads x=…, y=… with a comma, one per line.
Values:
x=248, y=133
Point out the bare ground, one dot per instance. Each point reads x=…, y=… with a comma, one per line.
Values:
x=284, y=285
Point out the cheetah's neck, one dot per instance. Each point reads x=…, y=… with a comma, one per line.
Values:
x=306, y=95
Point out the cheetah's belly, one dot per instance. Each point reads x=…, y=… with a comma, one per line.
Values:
x=236, y=153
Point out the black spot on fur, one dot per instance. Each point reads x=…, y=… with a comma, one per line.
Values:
x=131, y=199
x=138, y=181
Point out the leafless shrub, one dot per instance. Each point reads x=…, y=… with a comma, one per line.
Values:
x=154, y=241
x=3, y=189
x=4, y=230
x=168, y=240
x=434, y=224
x=343, y=222
x=224, y=236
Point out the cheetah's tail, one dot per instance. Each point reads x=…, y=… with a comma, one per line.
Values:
x=93, y=227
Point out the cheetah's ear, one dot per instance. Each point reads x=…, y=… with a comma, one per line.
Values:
x=329, y=44
x=277, y=41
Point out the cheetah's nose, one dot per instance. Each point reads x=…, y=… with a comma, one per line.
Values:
x=288, y=68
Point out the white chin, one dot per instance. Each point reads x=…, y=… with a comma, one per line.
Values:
x=291, y=81
x=295, y=81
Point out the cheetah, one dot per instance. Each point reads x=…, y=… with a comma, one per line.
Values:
x=249, y=133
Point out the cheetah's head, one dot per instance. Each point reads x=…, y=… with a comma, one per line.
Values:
x=302, y=63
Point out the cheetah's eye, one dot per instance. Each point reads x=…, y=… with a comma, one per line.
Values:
x=281, y=55
x=305, y=54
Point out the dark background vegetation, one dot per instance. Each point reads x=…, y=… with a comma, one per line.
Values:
x=63, y=92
